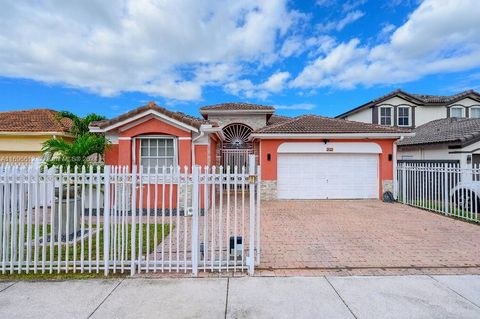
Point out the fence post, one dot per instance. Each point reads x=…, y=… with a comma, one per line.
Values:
x=404, y=183
x=445, y=188
x=258, y=220
x=195, y=187
x=106, y=221
x=251, y=248
x=134, y=226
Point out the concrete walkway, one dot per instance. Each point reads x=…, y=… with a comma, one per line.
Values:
x=246, y=297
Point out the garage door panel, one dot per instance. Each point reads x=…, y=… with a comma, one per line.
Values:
x=323, y=176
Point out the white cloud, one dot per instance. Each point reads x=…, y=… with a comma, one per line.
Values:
x=339, y=25
x=166, y=48
x=298, y=106
x=274, y=84
x=438, y=37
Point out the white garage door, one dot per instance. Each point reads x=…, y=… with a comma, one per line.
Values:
x=327, y=176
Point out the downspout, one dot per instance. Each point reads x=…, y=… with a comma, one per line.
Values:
x=395, y=172
x=202, y=133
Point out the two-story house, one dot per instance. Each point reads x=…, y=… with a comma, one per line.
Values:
x=447, y=128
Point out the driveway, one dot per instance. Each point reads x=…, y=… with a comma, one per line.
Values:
x=363, y=235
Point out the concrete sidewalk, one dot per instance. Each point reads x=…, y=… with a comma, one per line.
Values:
x=246, y=297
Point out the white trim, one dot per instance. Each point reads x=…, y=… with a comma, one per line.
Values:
x=124, y=138
x=143, y=114
x=330, y=148
x=326, y=136
x=183, y=138
x=409, y=115
x=380, y=114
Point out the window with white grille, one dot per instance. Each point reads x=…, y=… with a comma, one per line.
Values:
x=475, y=112
x=158, y=151
x=457, y=112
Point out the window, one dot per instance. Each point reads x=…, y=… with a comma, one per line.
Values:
x=385, y=116
x=403, y=116
x=475, y=112
x=158, y=151
x=457, y=112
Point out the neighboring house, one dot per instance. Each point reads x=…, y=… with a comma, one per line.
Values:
x=402, y=109
x=306, y=157
x=23, y=132
x=450, y=140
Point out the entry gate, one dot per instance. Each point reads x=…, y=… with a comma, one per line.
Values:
x=113, y=219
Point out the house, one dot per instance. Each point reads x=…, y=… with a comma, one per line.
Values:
x=23, y=132
x=449, y=140
x=306, y=157
x=402, y=109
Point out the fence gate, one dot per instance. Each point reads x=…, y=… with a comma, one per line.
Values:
x=113, y=219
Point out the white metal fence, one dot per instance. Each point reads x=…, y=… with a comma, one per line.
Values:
x=172, y=219
x=443, y=188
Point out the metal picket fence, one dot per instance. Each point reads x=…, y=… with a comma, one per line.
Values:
x=440, y=187
x=113, y=219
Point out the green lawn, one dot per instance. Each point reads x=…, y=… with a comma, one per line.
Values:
x=60, y=250
x=439, y=208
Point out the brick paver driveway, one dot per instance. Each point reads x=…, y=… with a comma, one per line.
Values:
x=364, y=234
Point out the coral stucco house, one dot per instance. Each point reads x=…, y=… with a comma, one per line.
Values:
x=306, y=157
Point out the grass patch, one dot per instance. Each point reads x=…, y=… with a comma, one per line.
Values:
x=90, y=245
x=438, y=207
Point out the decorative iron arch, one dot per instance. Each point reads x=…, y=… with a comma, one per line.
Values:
x=237, y=135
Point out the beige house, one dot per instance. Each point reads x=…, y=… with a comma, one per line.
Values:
x=23, y=132
x=403, y=109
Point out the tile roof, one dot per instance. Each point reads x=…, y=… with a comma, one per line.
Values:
x=235, y=106
x=448, y=130
x=36, y=120
x=313, y=124
x=179, y=116
x=275, y=119
x=444, y=98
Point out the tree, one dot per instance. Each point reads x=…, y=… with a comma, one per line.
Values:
x=60, y=152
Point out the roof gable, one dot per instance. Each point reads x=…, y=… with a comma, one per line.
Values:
x=178, y=119
x=419, y=99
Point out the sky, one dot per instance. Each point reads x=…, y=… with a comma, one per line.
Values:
x=313, y=56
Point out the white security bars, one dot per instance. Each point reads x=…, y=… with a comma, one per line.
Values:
x=109, y=219
x=443, y=188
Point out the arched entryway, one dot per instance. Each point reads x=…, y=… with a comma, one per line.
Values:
x=237, y=145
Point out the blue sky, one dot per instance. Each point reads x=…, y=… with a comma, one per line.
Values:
x=318, y=56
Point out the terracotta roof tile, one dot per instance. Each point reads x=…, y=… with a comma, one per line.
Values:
x=36, y=120
x=449, y=130
x=231, y=106
x=314, y=124
x=275, y=119
x=179, y=116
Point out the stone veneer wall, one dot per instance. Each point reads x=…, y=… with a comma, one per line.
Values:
x=252, y=120
x=387, y=185
x=268, y=190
